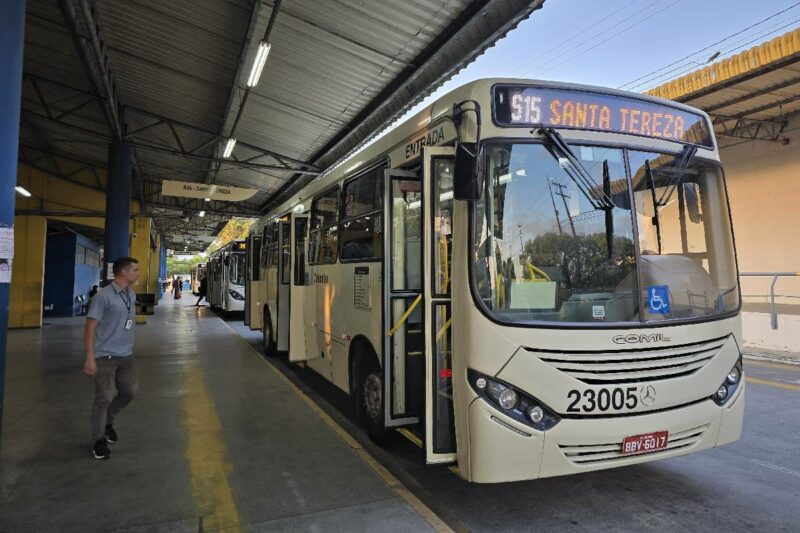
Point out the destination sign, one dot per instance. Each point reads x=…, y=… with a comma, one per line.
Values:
x=240, y=246
x=564, y=108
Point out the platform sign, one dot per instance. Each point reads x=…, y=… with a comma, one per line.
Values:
x=590, y=110
x=188, y=189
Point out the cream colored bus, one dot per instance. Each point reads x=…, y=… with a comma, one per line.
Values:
x=537, y=278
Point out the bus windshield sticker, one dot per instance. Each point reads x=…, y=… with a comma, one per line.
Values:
x=588, y=110
x=658, y=299
x=598, y=312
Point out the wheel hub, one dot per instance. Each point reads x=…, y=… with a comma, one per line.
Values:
x=372, y=396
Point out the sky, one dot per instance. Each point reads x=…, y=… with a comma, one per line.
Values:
x=610, y=43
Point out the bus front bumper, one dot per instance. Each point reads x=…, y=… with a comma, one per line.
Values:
x=502, y=449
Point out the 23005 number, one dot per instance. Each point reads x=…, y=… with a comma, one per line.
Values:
x=602, y=400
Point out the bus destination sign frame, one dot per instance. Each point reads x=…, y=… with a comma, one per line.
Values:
x=527, y=105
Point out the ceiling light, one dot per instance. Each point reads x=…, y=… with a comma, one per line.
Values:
x=23, y=191
x=208, y=199
x=229, y=148
x=202, y=214
x=258, y=63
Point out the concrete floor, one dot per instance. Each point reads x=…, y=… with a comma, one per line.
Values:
x=215, y=440
x=751, y=485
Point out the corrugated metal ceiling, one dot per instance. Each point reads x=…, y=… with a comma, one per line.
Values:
x=180, y=68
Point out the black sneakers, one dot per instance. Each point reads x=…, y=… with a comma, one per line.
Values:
x=111, y=435
x=100, y=450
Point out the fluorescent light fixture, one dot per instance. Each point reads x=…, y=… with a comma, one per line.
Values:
x=208, y=199
x=229, y=148
x=202, y=213
x=258, y=63
x=23, y=191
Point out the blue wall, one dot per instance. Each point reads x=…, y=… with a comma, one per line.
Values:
x=86, y=276
x=64, y=277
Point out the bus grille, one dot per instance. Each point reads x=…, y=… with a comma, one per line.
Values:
x=632, y=366
x=592, y=454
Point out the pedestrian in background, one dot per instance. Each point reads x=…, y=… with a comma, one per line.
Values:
x=108, y=336
x=202, y=290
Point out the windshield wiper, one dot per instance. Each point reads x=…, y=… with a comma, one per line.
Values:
x=576, y=171
x=681, y=162
x=609, y=214
x=656, y=219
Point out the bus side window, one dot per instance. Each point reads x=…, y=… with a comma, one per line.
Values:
x=299, y=251
x=324, y=228
x=362, y=226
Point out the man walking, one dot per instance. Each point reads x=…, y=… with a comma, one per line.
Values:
x=108, y=336
x=202, y=291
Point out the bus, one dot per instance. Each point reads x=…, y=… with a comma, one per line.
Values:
x=536, y=278
x=197, y=274
x=226, y=277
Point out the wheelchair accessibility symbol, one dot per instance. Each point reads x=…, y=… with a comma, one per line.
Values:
x=658, y=299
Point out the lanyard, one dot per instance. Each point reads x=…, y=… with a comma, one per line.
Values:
x=126, y=301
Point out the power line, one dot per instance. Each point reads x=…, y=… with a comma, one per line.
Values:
x=683, y=69
x=709, y=47
x=578, y=34
x=588, y=40
x=615, y=35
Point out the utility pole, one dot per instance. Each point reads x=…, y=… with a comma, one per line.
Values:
x=553, y=199
x=564, y=196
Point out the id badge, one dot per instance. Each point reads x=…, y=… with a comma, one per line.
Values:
x=129, y=324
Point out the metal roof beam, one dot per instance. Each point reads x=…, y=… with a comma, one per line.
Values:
x=750, y=129
x=479, y=26
x=752, y=94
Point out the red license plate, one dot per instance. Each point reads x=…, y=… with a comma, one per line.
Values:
x=646, y=443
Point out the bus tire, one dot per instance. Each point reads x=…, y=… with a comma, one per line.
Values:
x=267, y=338
x=369, y=397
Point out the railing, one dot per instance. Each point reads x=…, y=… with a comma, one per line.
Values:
x=774, y=276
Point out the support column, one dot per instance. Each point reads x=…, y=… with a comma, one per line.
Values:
x=12, y=40
x=118, y=204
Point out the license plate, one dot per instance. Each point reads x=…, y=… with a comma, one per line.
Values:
x=646, y=443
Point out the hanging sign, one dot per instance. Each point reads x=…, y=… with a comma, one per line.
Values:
x=188, y=189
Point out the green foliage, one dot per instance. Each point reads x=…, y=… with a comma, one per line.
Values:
x=235, y=229
x=182, y=266
x=583, y=259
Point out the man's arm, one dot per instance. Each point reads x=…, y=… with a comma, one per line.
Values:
x=90, y=366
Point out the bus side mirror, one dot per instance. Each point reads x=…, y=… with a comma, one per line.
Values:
x=467, y=178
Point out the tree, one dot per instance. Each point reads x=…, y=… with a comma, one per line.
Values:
x=182, y=266
x=235, y=229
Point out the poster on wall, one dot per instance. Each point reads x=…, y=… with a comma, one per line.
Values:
x=6, y=253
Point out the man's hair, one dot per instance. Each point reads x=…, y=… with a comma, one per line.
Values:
x=122, y=263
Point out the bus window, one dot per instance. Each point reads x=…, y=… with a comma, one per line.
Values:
x=361, y=233
x=299, y=251
x=406, y=235
x=285, y=254
x=442, y=223
x=324, y=232
x=255, y=254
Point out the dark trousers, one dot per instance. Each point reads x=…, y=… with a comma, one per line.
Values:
x=115, y=385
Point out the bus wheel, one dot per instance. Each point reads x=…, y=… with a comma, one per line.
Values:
x=267, y=337
x=370, y=396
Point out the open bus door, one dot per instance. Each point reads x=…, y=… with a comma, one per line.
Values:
x=403, y=359
x=298, y=286
x=440, y=437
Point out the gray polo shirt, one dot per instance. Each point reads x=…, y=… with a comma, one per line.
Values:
x=113, y=307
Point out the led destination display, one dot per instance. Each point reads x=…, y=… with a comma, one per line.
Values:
x=562, y=108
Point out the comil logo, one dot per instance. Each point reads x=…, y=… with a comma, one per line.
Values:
x=639, y=339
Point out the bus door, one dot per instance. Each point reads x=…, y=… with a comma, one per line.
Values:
x=440, y=437
x=404, y=342
x=284, y=275
x=299, y=283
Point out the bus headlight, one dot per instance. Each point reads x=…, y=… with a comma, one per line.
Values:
x=513, y=402
x=236, y=295
x=729, y=384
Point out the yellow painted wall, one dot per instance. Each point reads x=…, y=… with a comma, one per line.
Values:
x=27, y=281
x=764, y=188
x=51, y=193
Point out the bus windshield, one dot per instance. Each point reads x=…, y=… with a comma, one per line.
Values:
x=237, y=269
x=555, y=241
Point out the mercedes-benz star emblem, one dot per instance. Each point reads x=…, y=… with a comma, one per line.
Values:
x=647, y=395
